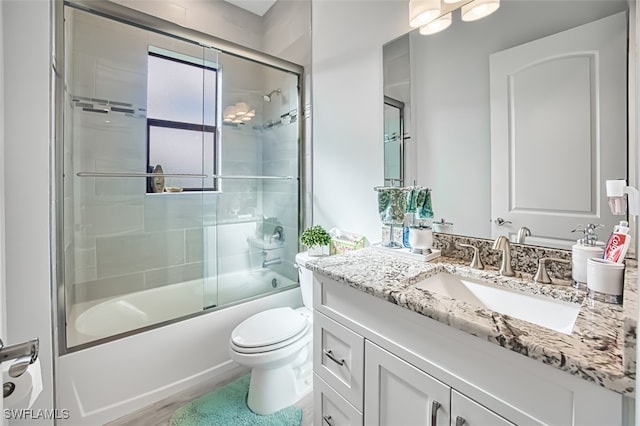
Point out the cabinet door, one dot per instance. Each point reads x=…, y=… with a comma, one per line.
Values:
x=330, y=409
x=467, y=412
x=338, y=358
x=397, y=393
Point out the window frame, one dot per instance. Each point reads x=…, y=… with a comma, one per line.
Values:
x=181, y=125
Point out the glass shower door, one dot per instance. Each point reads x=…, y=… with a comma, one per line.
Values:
x=258, y=205
x=140, y=134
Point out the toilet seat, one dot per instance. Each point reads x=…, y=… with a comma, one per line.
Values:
x=269, y=330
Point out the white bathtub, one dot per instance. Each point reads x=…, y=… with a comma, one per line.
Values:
x=104, y=382
x=92, y=321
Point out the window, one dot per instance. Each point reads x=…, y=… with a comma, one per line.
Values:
x=181, y=119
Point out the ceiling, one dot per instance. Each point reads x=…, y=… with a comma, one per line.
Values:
x=258, y=7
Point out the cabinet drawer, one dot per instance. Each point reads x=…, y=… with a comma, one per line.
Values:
x=330, y=409
x=467, y=412
x=338, y=358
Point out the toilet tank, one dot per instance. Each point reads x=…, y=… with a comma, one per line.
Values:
x=306, y=279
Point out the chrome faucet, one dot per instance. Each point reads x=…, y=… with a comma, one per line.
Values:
x=502, y=243
x=541, y=275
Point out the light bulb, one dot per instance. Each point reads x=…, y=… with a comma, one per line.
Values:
x=422, y=12
x=479, y=9
x=242, y=108
x=436, y=26
x=229, y=112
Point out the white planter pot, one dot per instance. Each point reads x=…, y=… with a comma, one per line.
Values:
x=315, y=251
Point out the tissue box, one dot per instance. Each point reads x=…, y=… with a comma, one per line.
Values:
x=339, y=246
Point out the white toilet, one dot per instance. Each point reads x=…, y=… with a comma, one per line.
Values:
x=276, y=345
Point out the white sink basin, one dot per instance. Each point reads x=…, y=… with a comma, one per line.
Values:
x=546, y=312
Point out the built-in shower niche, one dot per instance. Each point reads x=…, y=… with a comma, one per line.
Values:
x=135, y=258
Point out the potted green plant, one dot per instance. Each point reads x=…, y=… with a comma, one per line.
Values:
x=315, y=238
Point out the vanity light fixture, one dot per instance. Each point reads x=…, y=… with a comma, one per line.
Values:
x=478, y=9
x=422, y=12
x=238, y=113
x=433, y=16
x=436, y=26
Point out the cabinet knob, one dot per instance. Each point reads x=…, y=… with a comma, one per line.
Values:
x=328, y=420
x=460, y=421
x=333, y=358
x=435, y=405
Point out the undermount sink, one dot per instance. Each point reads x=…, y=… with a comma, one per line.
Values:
x=555, y=314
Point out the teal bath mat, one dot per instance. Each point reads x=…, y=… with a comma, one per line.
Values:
x=227, y=406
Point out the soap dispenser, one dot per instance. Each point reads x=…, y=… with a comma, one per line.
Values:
x=585, y=248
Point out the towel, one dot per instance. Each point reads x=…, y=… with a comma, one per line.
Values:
x=419, y=201
x=391, y=205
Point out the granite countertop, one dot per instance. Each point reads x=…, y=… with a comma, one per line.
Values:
x=600, y=349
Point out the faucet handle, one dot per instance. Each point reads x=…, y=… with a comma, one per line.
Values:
x=476, y=263
x=542, y=276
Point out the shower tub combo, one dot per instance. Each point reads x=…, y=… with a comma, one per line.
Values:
x=178, y=204
x=146, y=308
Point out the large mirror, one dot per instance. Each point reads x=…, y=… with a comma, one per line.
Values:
x=507, y=139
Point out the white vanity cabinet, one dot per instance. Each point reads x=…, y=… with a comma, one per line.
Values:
x=376, y=363
x=397, y=393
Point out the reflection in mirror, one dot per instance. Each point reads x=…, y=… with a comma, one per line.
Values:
x=454, y=124
x=393, y=141
x=397, y=101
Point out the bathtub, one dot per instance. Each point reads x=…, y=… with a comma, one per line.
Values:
x=101, y=383
x=144, y=308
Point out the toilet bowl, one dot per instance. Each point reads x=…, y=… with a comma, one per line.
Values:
x=276, y=345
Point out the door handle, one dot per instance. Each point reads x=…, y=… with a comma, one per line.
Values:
x=30, y=348
x=501, y=222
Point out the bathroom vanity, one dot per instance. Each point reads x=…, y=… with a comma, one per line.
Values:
x=388, y=350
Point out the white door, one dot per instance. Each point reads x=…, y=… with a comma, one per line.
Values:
x=397, y=393
x=559, y=130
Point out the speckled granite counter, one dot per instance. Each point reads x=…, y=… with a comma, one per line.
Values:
x=601, y=348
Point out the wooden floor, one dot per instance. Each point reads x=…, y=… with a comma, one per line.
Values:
x=158, y=414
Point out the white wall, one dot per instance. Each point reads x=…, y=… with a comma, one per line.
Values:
x=347, y=41
x=217, y=18
x=3, y=293
x=26, y=26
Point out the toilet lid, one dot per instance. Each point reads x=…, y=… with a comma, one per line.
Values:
x=268, y=327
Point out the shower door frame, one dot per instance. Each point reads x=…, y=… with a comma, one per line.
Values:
x=147, y=22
